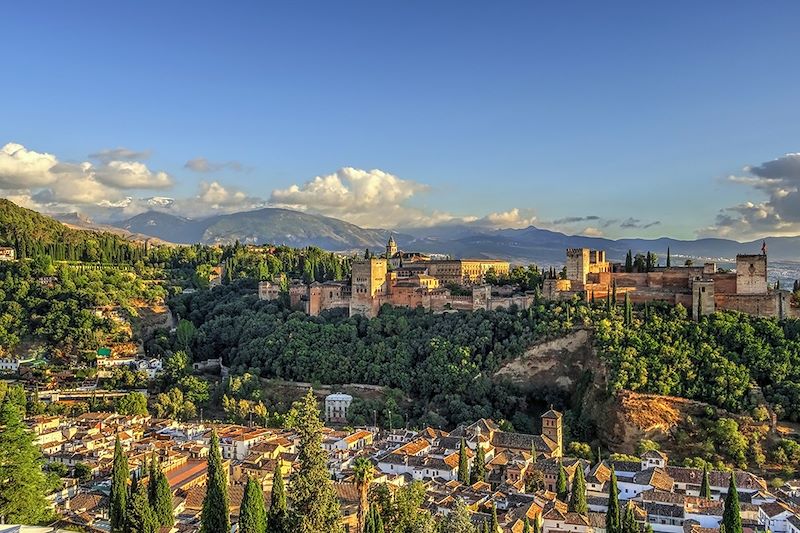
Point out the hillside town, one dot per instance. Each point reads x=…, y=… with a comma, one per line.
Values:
x=514, y=477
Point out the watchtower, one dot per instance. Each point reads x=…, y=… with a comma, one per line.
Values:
x=552, y=428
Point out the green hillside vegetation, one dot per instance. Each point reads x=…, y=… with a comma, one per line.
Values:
x=32, y=234
x=446, y=362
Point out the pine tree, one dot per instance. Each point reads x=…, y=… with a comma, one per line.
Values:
x=312, y=494
x=577, y=498
x=22, y=481
x=277, y=516
x=216, y=504
x=705, y=486
x=160, y=495
x=478, y=472
x=731, y=516
x=612, y=515
x=120, y=474
x=562, y=489
x=463, y=463
x=457, y=520
x=139, y=517
x=253, y=513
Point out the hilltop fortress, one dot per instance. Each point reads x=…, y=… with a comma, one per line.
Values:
x=401, y=279
x=703, y=289
x=413, y=280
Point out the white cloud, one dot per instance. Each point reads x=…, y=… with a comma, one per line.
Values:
x=216, y=195
x=131, y=175
x=779, y=214
x=592, y=232
x=513, y=218
x=23, y=168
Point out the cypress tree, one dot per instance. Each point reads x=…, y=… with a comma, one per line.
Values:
x=463, y=463
x=612, y=515
x=561, y=483
x=731, y=516
x=577, y=499
x=608, y=303
x=369, y=521
x=526, y=526
x=277, y=516
x=22, y=482
x=629, y=524
x=120, y=474
x=705, y=486
x=629, y=262
x=253, y=513
x=313, y=497
x=669, y=261
x=378, y=522
x=628, y=310
x=216, y=504
x=614, y=293
x=139, y=517
x=495, y=527
x=162, y=497
x=478, y=472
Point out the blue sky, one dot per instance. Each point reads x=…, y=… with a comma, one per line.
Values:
x=620, y=111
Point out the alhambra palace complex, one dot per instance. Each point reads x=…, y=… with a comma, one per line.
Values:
x=415, y=280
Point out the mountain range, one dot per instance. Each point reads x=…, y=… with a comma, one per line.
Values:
x=531, y=244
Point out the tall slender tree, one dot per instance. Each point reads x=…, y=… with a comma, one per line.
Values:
x=478, y=471
x=526, y=526
x=253, y=512
x=139, y=517
x=577, y=498
x=463, y=463
x=160, y=495
x=278, y=515
x=495, y=525
x=705, y=486
x=628, y=310
x=22, y=481
x=612, y=515
x=216, y=504
x=562, y=490
x=669, y=259
x=363, y=473
x=629, y=261
x=312, y=494
x=120, y=474
x=629, y=523
x=731, y=516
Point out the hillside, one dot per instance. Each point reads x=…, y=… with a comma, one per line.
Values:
x=31, y=233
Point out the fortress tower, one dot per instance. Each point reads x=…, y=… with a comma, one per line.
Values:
x=391, y=247
x=369, y=283
x=751, y=274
